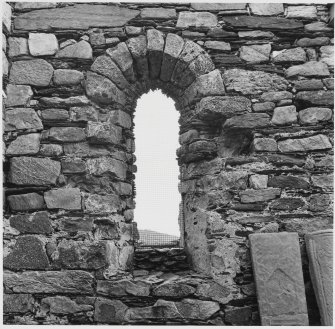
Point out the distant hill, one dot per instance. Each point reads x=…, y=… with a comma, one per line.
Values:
x=152, y=238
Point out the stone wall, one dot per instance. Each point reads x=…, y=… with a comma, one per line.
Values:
x=253, y=84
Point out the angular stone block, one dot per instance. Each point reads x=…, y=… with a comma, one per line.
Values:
x=319, y=246
x=17, y=47
x=23, y=202
x=67, y=198
x=18, y=303
x=22, y=118
x=80, y=50
x=41, y=44
x=203, y=20
x=67, y=77
x=63, y=305
x=18, y=95
x=24, y=145
x=32, y=223
x=279, y=282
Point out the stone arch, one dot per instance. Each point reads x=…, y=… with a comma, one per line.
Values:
x=184, y=71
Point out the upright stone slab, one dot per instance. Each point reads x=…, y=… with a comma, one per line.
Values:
x=278, y=274
x=320, y=253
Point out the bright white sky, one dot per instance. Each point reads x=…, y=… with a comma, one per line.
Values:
x=156, y=141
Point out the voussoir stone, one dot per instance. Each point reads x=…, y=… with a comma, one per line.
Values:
x=17, y=47
x=155, y=48
x=78, y=16
x=220, y=107
x=266, y=194
x=67, y=77
x=293, y=55
x=33, y=171
x=309, y=69
x=41, y=44
x=252, y=82
x=72, y=282
x=22, y=118
x=203, y=20
x=80, y=50
x=105, y=66
x=313, y=143
x=284, y=115
x=24, y=202
x=65, y=198
x=63, y=305
x=158, y=13
x=103, y=90
x=36, y=72
x=24, y=144
x=38, y=223
x=314, y=115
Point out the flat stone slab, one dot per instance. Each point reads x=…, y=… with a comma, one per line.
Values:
x=79, y=16
x=279, y=282
x=319, y=246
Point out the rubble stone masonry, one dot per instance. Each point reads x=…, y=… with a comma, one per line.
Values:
x=253, y=84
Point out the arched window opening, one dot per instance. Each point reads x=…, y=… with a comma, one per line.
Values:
x=157, y=198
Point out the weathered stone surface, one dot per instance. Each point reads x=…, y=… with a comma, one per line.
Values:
x=218, y=45
x=271, y=23
x=214, y=291
x=102, y=90
x=309, y=69
x=121, y=118
x=72, y=282
x=255, y=34
x=73, y=166
x=103, y=133
x=83, y=113
x=55, y=115
x=80, y=50
x=64, y=102
x=319, y=246
x=263, y=107
x=32, y=223
x=18, y=303
x=123, y=288
x=22, y=118
x=5, y=65
x=238, y=316
x=219, y=107
x=155, y=48
x=317, y=27
x=319, y=202
x=41, y=44
x=33, y=171
x=28, y=253
x=122, y=57
x=24, y=145
x=79, y=16
x=66, y=134
x=313, y=143
x=307, y=12
x=310, y=84
x=197, y=309
x=313, y=115
x=18, y=95
x=247, y=121
x=290, y=182
x=287, y=204
x=327, y=55
x=315, y=98
x=85, y=149
x=316, y=42
x=202, y=20
x=109, y=311
x=138, y=49
x=209, y=6
x=329, y=83
x=23, y=202
x=7, y=16
x=276, y=96
x=277, y=264
x=252, y=82
x=266, y=9
x=173, y=48
x=264, y=145
x=218, y=32
x=17, y=47
x=4, y=43
x=100, y=166
x=284, y=115
x=65, y=198
x=67, y=77
x=80, y=255
x=158, y=13
x=255, y=53
x=258, y=181
x=179, y=290
x=109, y=203
x=294, y=55
x=323, y=181
x=51, y=150
x=63, y=305
x=37, y=72
x=306, y=225
x=26, y=6
x=209, y=84
x=251, y=196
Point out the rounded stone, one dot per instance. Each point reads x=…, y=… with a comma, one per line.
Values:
x=41, y=44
